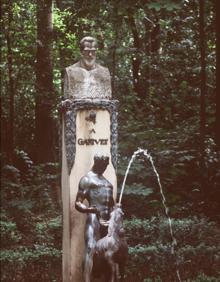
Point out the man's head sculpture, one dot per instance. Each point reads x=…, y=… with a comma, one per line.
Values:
x=100, y=163
x=88, y=43
x=88, y=50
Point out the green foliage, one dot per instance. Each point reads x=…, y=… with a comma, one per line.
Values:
x=137, y=189
x=190, y=230
x=162, y=117
x=9, y=233
x=197, y=251
x=30, y=222
x=168, y=5
x=24, y=254
x=49, y=231
x=23, y=44
x=31, y=264
x=204, y=278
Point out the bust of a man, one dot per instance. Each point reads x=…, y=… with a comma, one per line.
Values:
x=86, y=78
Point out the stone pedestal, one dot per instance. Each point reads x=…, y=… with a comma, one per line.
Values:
x=89, y=126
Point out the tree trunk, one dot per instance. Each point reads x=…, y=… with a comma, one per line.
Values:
x=136, y=61
x=217, y=128
x=203, y=93
x=155, y=38
x=116, y=28
x=60, y=6
x=10, y=147
x=45, y=96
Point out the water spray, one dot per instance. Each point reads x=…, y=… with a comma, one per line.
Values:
x=166, y=210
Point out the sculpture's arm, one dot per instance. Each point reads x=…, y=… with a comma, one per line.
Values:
x=81, y=196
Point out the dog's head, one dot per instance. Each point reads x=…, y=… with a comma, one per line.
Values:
x=117, y=214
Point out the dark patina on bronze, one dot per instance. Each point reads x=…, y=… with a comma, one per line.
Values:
x=98, y=191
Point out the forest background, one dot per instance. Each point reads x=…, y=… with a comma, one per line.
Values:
x=163, y=57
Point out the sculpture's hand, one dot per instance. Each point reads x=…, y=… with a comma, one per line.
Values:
x=95, y=210
x=104, y=222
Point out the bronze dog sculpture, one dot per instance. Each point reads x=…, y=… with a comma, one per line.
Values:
x=111, y=251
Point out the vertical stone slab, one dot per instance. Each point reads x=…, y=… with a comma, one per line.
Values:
x=65, y=183
x=89, y=127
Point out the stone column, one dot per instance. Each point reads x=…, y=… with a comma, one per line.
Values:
x=89, y=126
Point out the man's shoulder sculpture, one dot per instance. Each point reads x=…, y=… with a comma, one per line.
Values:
x=80, y=83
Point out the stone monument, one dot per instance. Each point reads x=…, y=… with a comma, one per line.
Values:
x=89, y=129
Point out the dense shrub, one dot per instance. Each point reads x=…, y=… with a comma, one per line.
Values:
x=30, y=223
x=197, y=250
x=40, y=263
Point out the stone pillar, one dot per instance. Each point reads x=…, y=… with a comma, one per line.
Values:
x=89, y=126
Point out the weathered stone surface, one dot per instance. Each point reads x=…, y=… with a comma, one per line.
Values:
x=70, y=109
x=86, y=78
x=81, y=83
x=73, y=221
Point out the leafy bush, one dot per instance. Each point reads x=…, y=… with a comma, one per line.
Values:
x=9, y=232
x=40, y=263
x=197, y=250
x=49, y=231
x=30, y=223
